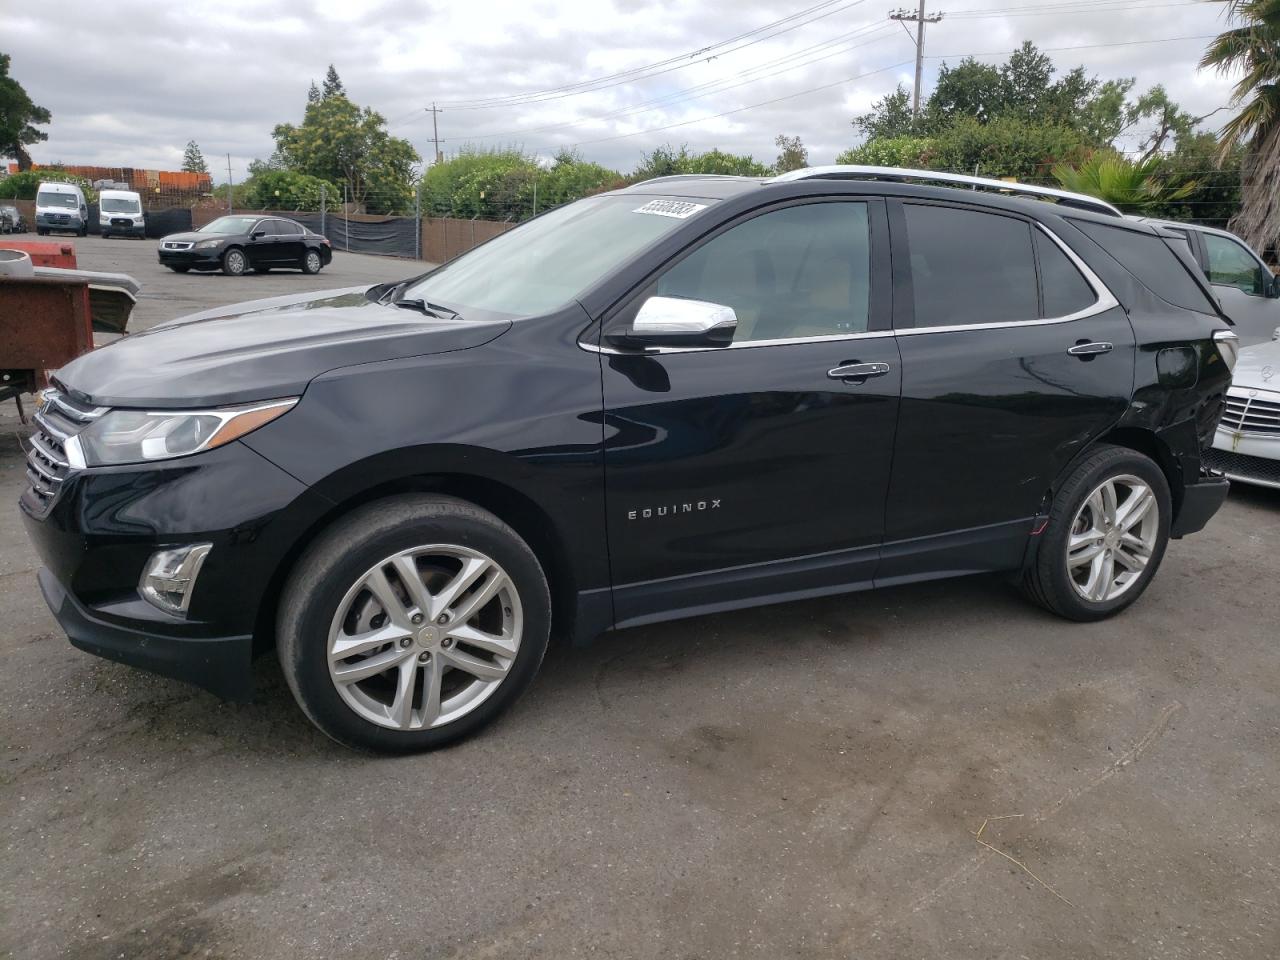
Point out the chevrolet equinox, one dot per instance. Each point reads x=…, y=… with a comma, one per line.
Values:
x=691, y=395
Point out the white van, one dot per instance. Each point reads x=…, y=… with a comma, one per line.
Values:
x=61, y=206
x=120, y=214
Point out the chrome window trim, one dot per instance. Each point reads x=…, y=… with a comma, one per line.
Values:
x=1106, y=300
x=744, y=345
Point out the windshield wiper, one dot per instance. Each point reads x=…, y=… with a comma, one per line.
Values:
x=430, y=309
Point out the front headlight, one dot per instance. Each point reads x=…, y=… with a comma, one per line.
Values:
x=137, y=436
x=207, y=244
x=1228, y=346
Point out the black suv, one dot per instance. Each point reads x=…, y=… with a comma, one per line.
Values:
x=691, y=395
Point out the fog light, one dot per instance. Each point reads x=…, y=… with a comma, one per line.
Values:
x=170, y=577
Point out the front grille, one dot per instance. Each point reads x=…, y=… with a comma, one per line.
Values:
x=48, y=462
x=58, y=217
x=1242, y=466
x=1252, y=414
x=121, y=222
x=177, y=245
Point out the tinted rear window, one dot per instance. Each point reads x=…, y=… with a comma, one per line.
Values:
x=969, y=267
x=1065, y=289
x=1147, y=258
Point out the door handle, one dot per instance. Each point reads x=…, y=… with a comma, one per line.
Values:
x=858, y=371
x=1086, y=349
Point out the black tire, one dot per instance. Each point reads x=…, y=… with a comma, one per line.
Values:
x=234, y=262
x=179, y=269
x=105, y=235
x=1047, y=580
x=311, y=262
x=41, y=232
x=339, y=558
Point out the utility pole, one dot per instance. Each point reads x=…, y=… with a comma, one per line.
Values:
x=919, y=19
x=230, y=185
x=435, y=128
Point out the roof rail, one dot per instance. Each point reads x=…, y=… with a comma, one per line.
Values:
x=857, y=172
x=690, y=176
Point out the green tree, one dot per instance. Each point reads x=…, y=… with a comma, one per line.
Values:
x=24, y=184
x=288, y=190
x=902, y=151
x=1005, y=147
x=1135, y=186
x=667, y=161
x=890, y=116
x=332, y=85
x=193, y=159
x=342, y=143
x=19, y=118
x=1251, y=48
x=792, y=154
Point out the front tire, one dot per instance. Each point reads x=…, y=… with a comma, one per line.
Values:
x=412, y=623
x=234, y=262
x=311, y=262
x=1106, y=535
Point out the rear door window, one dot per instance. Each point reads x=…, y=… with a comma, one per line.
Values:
x=1064, y=288
x=1147, y=257
x=969, y=267
x=1232, y=265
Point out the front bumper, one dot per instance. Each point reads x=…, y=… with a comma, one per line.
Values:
x=217, y=664
x=69, y=222
x=96, y=536
x=129, y=229
x=193, y=258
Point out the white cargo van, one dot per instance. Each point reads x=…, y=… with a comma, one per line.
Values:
x=120, y=214
x=61, y=206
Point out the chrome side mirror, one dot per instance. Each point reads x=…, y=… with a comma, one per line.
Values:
x=674, y=321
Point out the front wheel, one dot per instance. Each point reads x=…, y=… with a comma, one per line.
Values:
x=412, y=623
x=1106, y=535
x=234, y=262
x=311, y=262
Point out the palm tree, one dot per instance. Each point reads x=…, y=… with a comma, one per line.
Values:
x=1252, y=46
x=1135, y=186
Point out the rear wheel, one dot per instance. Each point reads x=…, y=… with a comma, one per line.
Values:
x=234, y=262
x=311, y=262
x=412, y=623
x=1106, y=535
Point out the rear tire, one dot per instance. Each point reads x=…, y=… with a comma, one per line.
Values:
x=234, y=262
x=311, y=262
x=1106, y=535
x=391, y=582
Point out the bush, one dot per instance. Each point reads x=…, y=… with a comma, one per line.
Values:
x=287, y=190
x=890, y=152
x=23, y=185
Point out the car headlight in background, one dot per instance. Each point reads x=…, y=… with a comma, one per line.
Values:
x=1228, y=346
x=207, y=244
x=138, y=436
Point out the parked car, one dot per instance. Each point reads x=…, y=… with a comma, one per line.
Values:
x=120, y=214
x=1244, y=284
x=691, y=395
x=235, y=244
x=61, y=206
x=1246, y=446
x=12, y=220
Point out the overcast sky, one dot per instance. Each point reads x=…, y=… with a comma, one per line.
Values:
x=223, y=74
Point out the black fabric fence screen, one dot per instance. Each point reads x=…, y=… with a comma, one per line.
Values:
x=392, y=237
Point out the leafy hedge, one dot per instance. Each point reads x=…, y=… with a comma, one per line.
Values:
x=23, y=185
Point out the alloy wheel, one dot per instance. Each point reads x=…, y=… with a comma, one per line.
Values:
x=1113, y=537
x=424, y=637
x=236, y=262
x=313, y=262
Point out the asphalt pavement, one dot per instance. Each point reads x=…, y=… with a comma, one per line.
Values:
x=939, y=770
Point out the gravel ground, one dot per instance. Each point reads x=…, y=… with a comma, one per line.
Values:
x=800, y=781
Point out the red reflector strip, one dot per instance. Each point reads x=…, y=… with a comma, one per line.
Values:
x=1039, y=527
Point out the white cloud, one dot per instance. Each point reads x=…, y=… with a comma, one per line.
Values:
x=225, y=76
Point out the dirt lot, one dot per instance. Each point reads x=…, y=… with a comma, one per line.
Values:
x=801, y=781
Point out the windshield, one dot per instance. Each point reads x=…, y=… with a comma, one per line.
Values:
x=57, y=200
x=552, y=259
x=119, y=205
x=229, y=225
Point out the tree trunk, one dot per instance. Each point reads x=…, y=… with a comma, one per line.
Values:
x=1258, y=222
x=24, y=158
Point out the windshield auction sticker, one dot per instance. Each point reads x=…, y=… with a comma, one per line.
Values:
x=680, y=209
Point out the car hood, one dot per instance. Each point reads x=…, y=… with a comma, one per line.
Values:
x=192, y=236
x=1258, y=367
x=260, y=350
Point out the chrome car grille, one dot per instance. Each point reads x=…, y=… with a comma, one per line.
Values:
x=177, y=245
x=48, y=461
x=1252, y=414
